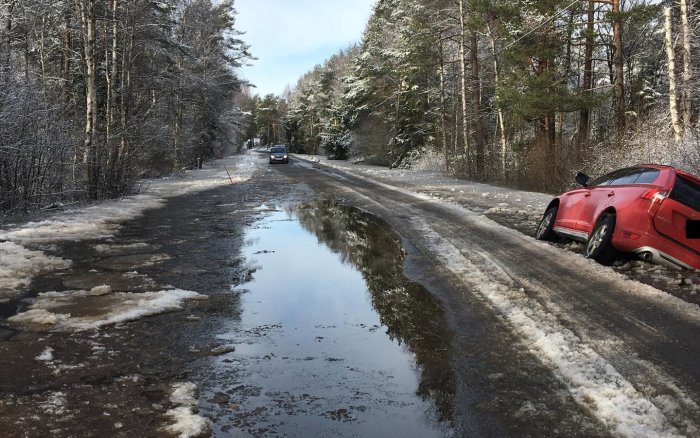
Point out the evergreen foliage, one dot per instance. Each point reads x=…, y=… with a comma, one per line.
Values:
x=537, y=94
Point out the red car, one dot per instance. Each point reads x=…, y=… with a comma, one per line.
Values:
x=649, y=210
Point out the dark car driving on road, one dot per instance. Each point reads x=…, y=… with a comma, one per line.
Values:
x=652, y=211
x=279, y=154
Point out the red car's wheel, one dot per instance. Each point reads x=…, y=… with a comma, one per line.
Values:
x=599, y=246
x=545, y=229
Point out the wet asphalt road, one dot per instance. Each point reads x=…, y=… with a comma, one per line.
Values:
x=410, y=350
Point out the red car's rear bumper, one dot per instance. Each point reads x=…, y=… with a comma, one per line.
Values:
x=658, y=249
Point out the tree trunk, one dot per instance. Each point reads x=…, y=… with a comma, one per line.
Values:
x=584, y=115
x=124, y=86
x=476, y=103
x=67, y=45
x=545, y=140
x=8, y=29
x=397, y=115
x=177, y=133
x=443, y=109
x=26, y=47
x=686, y=97
x=463, y=70
x=619, y=89
x=42, y=56
x=87, y=14
x=672, y=97
x=111, y=80
x=499, y=110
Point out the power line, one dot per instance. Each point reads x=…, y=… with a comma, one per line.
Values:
x=556, y=15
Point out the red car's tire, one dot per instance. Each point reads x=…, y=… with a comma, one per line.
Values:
x=545, y=229
x=599, y=246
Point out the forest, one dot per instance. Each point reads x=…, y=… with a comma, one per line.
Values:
x=515, y=92
x=96, y=94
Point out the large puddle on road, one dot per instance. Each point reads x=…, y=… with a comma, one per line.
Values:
x=333, y=340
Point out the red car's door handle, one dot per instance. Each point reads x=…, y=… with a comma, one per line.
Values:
x=587, y=194
x=611, y=193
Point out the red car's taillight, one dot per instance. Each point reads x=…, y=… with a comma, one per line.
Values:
x=655, y=196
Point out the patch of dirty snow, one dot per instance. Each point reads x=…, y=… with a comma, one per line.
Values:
x=70, y=310
x=106, y=249
x=46, y=355
x=18, y=265
x=184, y=394
x=56, y=366
x=55, y=404
x=39, y=317
x=183, y=421
x=100, y=290
x=94, y=222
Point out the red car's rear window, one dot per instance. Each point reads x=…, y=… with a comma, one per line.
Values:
x=648, y=176
x=686, y=192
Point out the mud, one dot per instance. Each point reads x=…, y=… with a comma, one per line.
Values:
x=115, y=381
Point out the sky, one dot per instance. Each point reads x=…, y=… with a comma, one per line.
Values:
x=289, y=37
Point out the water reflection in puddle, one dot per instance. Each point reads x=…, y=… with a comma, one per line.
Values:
x=333, y=340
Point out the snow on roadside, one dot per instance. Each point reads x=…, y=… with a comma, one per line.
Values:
x=18, y=264
x=98, y=307
x=184, y=422
x=93, y=222
x=102, y=220
x=591, y=380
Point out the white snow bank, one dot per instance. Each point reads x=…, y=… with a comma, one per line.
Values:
x=85, y=310
x=18, y=265
x=184, y=423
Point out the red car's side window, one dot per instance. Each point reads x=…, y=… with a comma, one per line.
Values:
x=630, y=175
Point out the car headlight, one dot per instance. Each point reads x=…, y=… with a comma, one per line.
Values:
x=285, y=156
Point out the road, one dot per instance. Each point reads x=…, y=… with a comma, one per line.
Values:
x=516, y=337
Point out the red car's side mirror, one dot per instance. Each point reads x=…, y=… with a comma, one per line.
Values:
x=582, y=179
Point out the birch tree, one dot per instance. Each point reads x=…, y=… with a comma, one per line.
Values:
x=672, y=94
x=686, y=93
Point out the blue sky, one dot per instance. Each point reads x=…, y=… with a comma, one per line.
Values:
x=289, y=37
